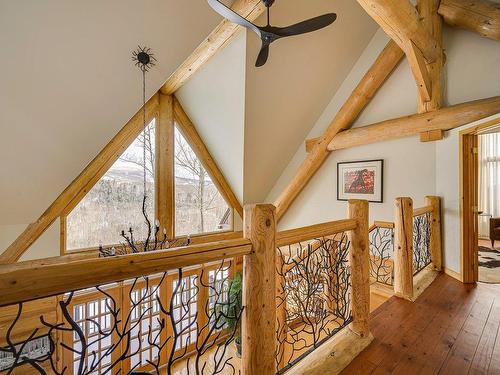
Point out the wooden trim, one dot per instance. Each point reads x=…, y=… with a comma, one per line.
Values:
x=189, y=131
x=81, y=184
x=216, y=41
x=445, y=119
x=453, y=274
x=354, y=105
x=62, y=234
x=292, y=236
x=164, y=173
x=422, y=210
x=468, y=203
x=479, y=16
x=18, y=283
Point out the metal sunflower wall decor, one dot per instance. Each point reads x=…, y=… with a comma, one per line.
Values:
x=144, y=59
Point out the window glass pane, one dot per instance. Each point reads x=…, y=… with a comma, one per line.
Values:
x=115, y=202
x=199, y=207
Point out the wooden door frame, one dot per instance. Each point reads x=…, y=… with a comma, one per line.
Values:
x=469, y=199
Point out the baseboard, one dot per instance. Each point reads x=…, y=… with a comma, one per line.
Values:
x=453, y=274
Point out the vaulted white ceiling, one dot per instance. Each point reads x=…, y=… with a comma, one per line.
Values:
x=67, y=85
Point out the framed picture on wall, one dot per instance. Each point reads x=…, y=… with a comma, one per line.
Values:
x=360, y=180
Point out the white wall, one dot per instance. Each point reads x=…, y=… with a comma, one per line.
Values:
x=214, y=99
x=411, y=167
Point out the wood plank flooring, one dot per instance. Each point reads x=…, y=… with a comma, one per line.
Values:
x=452, y=328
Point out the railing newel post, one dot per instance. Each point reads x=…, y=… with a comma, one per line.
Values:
x=435, y=228
x=359, y=258
x=403, y=248
x=259, y=291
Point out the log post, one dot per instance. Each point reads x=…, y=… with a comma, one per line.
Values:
x=436, y=239
x=259, y=289
x=403, y=248
x=359, y=258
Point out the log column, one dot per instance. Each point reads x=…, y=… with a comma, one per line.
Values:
x=359, y=258
x=259, y=289
x=436, y=239
x=403, y=248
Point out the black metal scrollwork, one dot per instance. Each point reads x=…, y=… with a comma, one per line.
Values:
x=421, y=242
x=381, y=253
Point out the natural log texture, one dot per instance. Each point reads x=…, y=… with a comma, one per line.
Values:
x=359, y=258
x=189, y=131
x=480, y=16
x=357, y=101
x=436, y=239
x=444, y=119
x=311, y=143
x=21, y=284
x=433, y=23
x=83, y=183
x=432, y=135
x=164, y=173
x=423, y=210
x=400, y=20
x=291, y=236
x=419, y=70
x=403, y=248
x=259, y=291
x=217, y=40
x=381, y=224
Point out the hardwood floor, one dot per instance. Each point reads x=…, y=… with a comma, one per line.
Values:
x=452, y=328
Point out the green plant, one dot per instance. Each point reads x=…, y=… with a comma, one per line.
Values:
x=229, y=312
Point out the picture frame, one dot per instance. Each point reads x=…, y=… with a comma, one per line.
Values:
x=362, y=179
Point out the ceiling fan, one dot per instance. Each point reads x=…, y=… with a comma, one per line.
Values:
x=269, y=34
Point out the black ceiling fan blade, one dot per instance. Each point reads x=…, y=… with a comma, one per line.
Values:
x=263, y=55
x=232, y=16
x=307, y=26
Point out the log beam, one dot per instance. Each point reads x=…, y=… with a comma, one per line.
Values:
x=401, y=21
x=444, y=119
x=357, y=101
x=217, y=40
x=479, y=16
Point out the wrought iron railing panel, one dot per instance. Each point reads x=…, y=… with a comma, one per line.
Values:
x=381, y=255
x=313, y=297
x=421, y=242
x=180, y=322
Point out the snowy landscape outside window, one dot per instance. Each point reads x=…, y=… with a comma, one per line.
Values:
x=115, y=202
x=199, y=207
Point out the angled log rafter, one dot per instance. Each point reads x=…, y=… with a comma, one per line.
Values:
x=357, y=101
x=218, y=39
x=401, y=21
x=443, y=119
x=480, y=16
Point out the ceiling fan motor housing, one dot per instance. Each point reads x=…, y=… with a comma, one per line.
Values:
x=268, y=3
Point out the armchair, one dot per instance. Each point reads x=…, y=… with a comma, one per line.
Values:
x=494, y=230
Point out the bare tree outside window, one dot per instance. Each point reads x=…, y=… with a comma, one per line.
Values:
x=200, y=208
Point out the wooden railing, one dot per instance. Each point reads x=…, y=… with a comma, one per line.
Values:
x=400, y=250
x=152, y=311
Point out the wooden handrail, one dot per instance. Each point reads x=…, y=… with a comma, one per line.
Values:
x=19, y=283
x=422, y=210
x=381, y=224
x=291, y=236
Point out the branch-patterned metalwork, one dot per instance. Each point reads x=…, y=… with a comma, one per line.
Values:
x=139, y=329
x=421, y=242
x=313, y=298
x=381, y=254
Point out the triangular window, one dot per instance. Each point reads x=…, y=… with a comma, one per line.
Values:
x=199, y=206
x=115, y=202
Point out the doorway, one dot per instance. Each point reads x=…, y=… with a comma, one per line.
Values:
x=480, y=202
